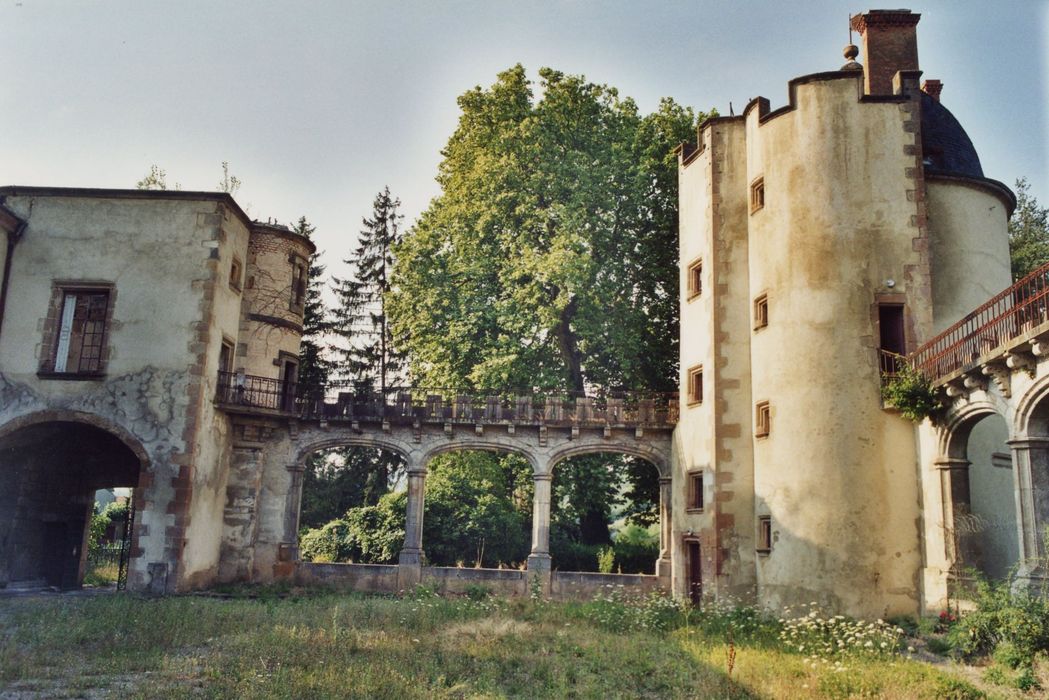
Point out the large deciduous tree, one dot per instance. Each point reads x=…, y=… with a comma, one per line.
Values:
x=1028, y=232
x=550, y=257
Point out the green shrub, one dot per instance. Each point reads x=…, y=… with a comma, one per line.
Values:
x=606, y=560
x=328, y=543
x=636, y=549
x=912, y=394
x=949, y=688
x=1018, y=623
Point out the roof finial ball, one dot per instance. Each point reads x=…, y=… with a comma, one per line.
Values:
x=851, y=52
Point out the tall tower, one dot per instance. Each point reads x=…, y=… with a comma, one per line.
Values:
x=812, y=240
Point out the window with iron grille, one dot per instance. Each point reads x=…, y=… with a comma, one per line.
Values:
x=79, y=340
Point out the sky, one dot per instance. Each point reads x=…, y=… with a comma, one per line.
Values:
x=317, y=105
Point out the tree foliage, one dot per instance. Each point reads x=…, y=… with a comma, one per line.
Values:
x=367, y=353
x=1028, y=232
x=550, y=257
x=315, y=367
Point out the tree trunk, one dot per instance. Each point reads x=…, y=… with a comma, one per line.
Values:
x=569, y=346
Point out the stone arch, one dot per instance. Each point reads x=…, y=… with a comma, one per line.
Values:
x=1031, y=419
x=96, y=421
x=305, y=449
x=482, y=446
x=646, y=452
x=954, y=435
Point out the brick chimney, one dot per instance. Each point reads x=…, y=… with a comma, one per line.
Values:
x=890, y=44
x=933, y=88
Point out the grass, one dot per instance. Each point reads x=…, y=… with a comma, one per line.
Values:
x=328, y=645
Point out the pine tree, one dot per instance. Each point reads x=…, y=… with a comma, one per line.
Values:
x=315, y=367
x=366, y=352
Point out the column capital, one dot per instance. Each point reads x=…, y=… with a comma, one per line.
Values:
x=296, y=467
x=951, y=463
x=542, y=477
x=664, y=480
x=416, y=471
x=1027, y=442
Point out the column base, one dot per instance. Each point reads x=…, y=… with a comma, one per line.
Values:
x=409, y=569
x=663, y=569
x=539, y=574
x=1031, y=579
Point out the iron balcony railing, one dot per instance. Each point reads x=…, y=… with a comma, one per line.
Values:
x=1003, y=318
x=411, y=404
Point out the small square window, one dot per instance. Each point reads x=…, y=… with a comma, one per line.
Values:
x=757, y=195
x=695, y=385
x=761, y=311
x=695, y=279
x=762, y=419
x=695, y=491
x=235, y=274
x=764, y=533
x=298, y=285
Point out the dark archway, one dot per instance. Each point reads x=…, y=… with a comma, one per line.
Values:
x=49, y=472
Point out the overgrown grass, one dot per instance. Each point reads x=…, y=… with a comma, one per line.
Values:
x=328, y=645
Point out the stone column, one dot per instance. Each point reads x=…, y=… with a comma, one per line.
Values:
x=666, y=525
x=1031, y=487
x=409, y=572
x=539, y=558
x=954, y=494
x=289, y=547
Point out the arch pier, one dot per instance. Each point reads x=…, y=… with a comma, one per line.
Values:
x=270, y=450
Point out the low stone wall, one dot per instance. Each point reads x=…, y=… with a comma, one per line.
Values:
x=383, y=578
x=584, y=585
x=366, y=578
x=456, y=580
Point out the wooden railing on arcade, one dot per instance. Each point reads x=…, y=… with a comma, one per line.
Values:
x=410, y=405
x=1006, y=316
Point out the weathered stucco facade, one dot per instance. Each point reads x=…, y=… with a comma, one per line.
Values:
x=814, y=237
x=120, y=309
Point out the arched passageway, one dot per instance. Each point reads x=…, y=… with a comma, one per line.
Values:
x=49, y=472
x=983, y=499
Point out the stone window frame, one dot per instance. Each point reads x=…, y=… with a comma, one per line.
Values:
x=762, y=419
x=694, y=279
x=696, y=483
x=236, y=274
x=764, y=539
x=761, y=311
x=231, y=344
x=51, y=326
x=695, y=388
x=757, y=194
x=299, y=284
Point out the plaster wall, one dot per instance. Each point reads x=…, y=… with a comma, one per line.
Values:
x=836, y=472
x=155, y=253
x=969, y=248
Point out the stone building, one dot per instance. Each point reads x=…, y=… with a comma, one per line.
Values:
x=817, y=239
x=123, y=315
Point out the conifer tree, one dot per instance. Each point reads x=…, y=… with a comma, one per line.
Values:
x=314, y=366
x=367, y=355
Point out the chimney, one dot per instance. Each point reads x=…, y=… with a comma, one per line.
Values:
x=890, y=44
x=932, y=88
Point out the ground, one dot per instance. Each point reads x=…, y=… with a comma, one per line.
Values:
x=268, y=644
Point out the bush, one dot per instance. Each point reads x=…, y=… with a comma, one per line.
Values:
x=912, y=394
x=368, y=534
x=606, y=560
x=1016, y=624
x=328, y=543
x=636, y=550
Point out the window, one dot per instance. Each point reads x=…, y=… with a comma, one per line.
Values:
x=757, y=195
x=762, y=419
x=890, y=328
x=235, y=274
x=695, y=385
x=761, y=311
x=298, y=285
x=764, y=533
x=695, y=279
x=226, y=356
x=80, y=335
x=695, y=491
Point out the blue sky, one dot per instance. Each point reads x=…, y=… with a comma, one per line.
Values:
x=317, y=105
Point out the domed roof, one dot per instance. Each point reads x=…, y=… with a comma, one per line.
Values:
x=946, y=148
